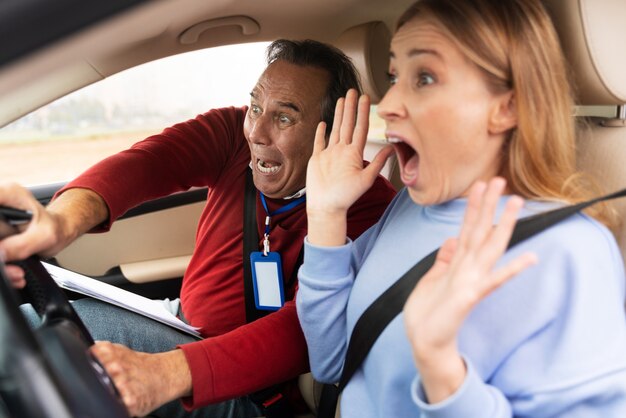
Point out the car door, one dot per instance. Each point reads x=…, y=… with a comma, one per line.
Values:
x=146, y=251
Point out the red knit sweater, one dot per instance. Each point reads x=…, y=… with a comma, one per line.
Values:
x=211, y=151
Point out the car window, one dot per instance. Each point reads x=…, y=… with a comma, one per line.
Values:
x=60, y=140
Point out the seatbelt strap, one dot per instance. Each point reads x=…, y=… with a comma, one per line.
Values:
x=389, y=304
x=250, y=244
x=251, y=241
x=271, y=400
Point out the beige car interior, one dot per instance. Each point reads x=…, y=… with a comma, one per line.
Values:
x=593, y=34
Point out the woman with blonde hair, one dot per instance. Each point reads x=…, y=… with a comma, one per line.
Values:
x=479, y=113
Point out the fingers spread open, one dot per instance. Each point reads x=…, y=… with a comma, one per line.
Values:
x=335, y=132
x=349, y=117
x=447, y=250
x=484, y=225
x=378, y=162
x=501, y=233
x=472, y=212
x=320, y=138
x=362, y=122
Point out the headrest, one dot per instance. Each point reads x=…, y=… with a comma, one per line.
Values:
x=593, y=36
x=368, y=46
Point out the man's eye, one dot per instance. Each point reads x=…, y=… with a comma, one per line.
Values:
x=255, y=111
x=284, y=119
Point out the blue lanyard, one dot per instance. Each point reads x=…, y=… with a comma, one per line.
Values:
x=268, y=216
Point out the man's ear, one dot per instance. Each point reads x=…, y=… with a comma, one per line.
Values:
x=504, y=114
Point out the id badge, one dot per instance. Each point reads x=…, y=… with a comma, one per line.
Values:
x=267, y=280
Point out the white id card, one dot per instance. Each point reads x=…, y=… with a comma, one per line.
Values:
x=267, y=280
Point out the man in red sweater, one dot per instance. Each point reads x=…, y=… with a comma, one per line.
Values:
x=272, y=139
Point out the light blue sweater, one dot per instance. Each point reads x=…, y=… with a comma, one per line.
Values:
x=549, y=343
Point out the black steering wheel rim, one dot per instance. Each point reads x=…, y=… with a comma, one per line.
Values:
x=49, y=372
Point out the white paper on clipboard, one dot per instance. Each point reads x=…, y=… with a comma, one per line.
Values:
x=116, y=296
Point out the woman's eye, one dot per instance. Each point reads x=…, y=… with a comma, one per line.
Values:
x=393, y=79
x=425, y=79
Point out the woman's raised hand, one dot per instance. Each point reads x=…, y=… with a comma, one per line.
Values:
x=464, y=273
x=336, y=177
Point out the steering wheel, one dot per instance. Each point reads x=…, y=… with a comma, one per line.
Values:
x=49, y=372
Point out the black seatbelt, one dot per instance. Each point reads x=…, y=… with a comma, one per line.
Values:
x=250, y=244
x=389, y=304
x=271, y=400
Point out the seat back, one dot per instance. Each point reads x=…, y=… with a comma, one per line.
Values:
x=592, y=34
x=368, y=47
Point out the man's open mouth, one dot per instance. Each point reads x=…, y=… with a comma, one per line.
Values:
x=268, y=167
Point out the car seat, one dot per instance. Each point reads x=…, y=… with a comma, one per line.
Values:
x=592, y=34
x=368, y=47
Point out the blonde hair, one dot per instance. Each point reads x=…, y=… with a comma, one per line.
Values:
x=516, y=46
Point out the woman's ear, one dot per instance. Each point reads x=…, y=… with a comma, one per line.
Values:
x=504, y=115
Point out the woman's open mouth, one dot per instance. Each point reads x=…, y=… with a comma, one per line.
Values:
x=408, y=160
